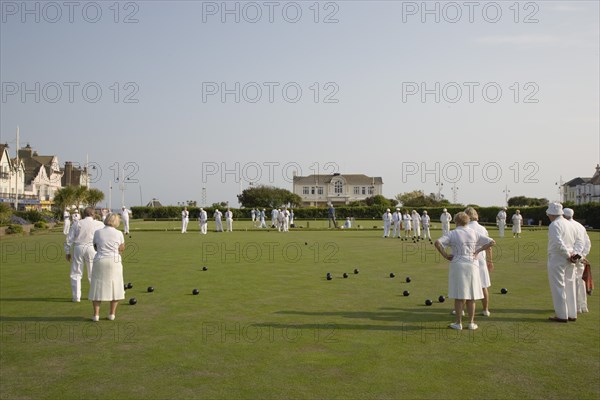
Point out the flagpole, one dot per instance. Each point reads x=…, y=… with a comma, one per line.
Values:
x=17, y=169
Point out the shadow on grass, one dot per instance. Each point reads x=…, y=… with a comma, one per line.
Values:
x=40, y=299
x=329, y=326
x=429, y=314
x=42, y=319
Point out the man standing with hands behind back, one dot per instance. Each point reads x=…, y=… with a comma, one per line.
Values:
x=561, y=270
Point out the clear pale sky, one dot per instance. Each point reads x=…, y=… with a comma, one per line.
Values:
x=369, y=74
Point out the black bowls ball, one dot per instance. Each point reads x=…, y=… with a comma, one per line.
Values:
x=428, y=302
x=150, y=289
x=504, y=290
x=345, y=275
x=133, y=301
x=195, y=292
x=408, y=279
x=392, y=275
x=204, y=268
x=406, y=293
x=441, y=299
x=356, y=270
x=130, y=285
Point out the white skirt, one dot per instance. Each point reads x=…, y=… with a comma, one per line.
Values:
x=107, y=280
x=484, y=275
x=464, y=281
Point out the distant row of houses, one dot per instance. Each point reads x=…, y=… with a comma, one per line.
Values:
x=33, y=179
x=583, y=190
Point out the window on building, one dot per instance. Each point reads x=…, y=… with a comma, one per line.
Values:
x=364, y=190
x=356, y=189
x=338, y=187
x=371, y=190
x=305, y=190
x=312, y=190
x=320, y=190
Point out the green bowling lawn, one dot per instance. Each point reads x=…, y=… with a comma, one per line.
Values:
x=268, y=325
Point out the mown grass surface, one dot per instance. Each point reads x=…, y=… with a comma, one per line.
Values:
x=268, y=325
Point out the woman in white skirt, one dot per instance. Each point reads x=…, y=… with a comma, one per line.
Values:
x=107, y=274
x=464, y=282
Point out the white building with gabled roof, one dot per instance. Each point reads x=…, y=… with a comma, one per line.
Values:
x=583, y=190
x=338, y=189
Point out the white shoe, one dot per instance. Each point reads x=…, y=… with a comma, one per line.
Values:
x=485, y=313
x=111, y=317
x=95, y=318
x=584, y=310
x=454, y=312
x=456, y=326
x=473, y=326
x=76, y=301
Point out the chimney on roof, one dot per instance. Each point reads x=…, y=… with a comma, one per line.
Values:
x=25, y=152
x=68, y=173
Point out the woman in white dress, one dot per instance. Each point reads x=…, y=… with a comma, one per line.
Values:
x=107, y=274
x=464, y=281
x=517, y=221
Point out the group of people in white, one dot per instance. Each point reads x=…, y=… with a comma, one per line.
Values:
x=97, y=246
x=417, y=227
x=413, y=225
x=281, y=219
x=471, y=263
x=517, y=222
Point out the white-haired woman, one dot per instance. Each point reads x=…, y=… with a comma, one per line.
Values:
x=464, y=282
x=107, y=274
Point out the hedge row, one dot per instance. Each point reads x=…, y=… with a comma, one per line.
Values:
x=589, y=214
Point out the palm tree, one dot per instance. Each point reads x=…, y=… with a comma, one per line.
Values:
x=94, y=196
x=64, y=197
x=81, y=194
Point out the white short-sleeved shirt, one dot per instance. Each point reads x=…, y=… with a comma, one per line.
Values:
x=482, y=231
x=107, y=242
x=464, y=241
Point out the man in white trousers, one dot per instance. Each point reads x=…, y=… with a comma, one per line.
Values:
x=218, y=216
x=397, y=223
x=416, y=224
x=286, y=219
x=561, y=270
x=125, y=213
x=263, y=215
x=484, y=260
x=426, y=222
x=445, y=219
x=274, y=217
x=501, y=221
x=203, y=218
x=67, y=221
x=229, y=220
x=185, y=219
x=387, y=222
x=79, y=250
x=583, y=245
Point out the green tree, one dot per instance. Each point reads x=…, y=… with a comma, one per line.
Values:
x=5, y=213
x=379, y=200
x=81, y=195
x=523, y=201
x=417, y=198
x=94, y=196
x=64, y=197
x=268, y=196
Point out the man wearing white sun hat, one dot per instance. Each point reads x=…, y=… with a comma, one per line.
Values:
x=561, y=270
